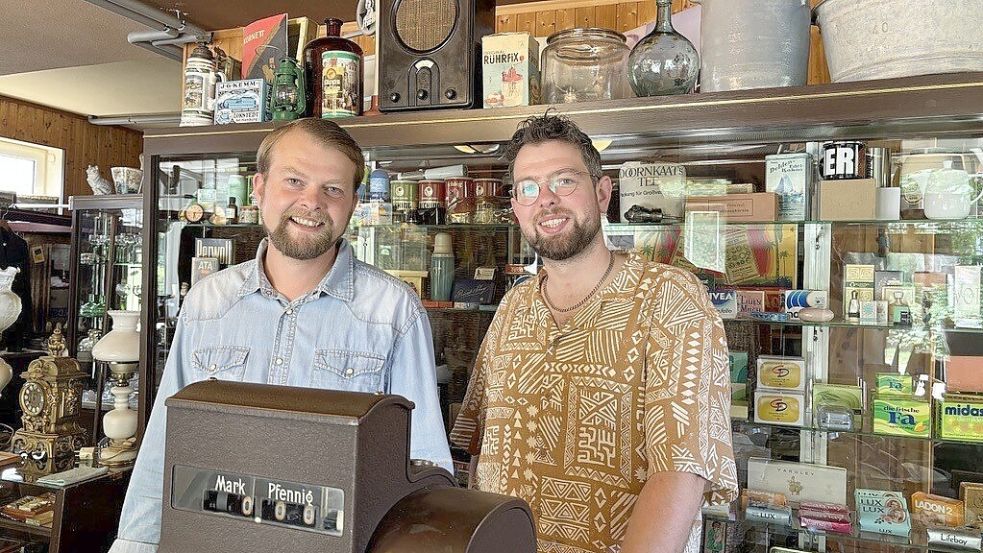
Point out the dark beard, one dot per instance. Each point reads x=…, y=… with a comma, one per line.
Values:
x=306, y=248
x=563, y=248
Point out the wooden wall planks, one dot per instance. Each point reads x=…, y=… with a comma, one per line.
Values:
x=84, y=143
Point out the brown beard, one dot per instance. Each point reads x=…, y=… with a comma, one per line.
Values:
x=562, y=248
x=308, y=247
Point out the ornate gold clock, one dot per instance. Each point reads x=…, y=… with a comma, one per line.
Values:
x=50, y=399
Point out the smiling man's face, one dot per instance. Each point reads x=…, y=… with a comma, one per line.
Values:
x=307, y=197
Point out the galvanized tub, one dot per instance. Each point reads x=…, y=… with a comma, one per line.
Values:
x=753, y=44
x=881, y=39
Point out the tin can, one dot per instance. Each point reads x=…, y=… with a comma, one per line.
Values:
x=249, y=215
x=432, y=193
x=404, y=195
x=844, y=159
x=487, y=188
x=460, y=200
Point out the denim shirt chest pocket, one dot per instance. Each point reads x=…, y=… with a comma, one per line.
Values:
x=222, y=363
x=347, y=370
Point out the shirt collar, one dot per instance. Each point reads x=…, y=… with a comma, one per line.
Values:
x=339, y=282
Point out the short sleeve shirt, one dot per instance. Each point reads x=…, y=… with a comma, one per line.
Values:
x=574, y=419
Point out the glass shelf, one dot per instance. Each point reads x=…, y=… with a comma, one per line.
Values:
x=209, y=225
x=832, y=435
x=449, y=226
x=917, y=540
x=859, y=326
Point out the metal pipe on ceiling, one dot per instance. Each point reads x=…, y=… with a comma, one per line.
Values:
x=173, y=52
x=149, y=119
x=170, y=31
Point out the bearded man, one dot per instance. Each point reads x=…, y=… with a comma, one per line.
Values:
x=304, y=312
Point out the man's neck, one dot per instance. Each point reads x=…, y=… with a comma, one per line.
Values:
x=581, y=271
x=295, y=277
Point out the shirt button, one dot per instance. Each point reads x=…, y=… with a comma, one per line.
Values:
x=290, y=311
x=349, y=372
x=279, y=361
x=212, y=367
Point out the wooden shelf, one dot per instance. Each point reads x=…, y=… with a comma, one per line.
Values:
x=25, y=528
x=936, y=104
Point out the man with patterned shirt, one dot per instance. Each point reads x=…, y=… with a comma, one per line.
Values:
x=601, y=391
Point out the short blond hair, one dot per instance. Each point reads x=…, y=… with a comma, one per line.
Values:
x=326, y=132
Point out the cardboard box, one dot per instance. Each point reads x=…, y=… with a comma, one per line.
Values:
x=960, y=418
x=790, y=176
x=510, y=70
x=761, y=207
x=779, y=407
x=848, y=200
x=798, y=481
x=964, y=372
x=781, y=373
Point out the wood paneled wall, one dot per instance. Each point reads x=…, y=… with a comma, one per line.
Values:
x=84, y=143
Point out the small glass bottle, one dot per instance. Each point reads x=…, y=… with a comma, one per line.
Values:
x=664, y=62
x=334, y=74
x=853, y=311
x=231, y=212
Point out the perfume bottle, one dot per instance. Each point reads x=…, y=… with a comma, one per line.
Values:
x=853, y=310
x=898, y=311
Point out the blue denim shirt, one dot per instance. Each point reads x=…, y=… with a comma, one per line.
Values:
x=360, y=329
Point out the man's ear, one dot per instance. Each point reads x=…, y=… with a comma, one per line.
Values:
x=259, y=187
x=603, y=192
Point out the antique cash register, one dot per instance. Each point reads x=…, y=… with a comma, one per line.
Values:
x=252, y=467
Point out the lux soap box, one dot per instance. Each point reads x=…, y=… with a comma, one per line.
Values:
x=779, y=407
x=936, y=510
x=760, y=207
x=883, y=512
x=798, y=481
x=782, y=373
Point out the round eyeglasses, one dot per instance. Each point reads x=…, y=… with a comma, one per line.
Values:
x=561, y=183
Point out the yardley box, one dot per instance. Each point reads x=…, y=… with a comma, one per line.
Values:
x=510, y=70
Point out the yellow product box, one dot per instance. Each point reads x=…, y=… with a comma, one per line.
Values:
x=961, y=419
x=782, y=373
x=936, y=510
x=902, y=417
x=779, y=407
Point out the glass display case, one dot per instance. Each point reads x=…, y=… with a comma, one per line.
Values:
x=106, y=273
x=851, y=299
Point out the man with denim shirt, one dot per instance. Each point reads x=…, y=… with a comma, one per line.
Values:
x=305, y=312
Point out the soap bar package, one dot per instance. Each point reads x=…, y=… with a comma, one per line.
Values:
x=779, y=407
x=510, y=70
x=760, y=207
x=849, y=398
x=936, y=510
x=902, y=417
x=848, y=200
x=971, y=494
x=883, y=512
x=798, y=481
x=781, y=373
x=966, y=539
x=859, y=278
x=725, y=302
x=961, y=418
x=894, y=385
x=790, y=177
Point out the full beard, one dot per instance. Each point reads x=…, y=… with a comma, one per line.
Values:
x=572, y=243
x=308, y=246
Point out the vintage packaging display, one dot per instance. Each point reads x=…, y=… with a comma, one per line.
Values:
x=222, y=249
x=460, y=200
x=882, y=512
x=652, y=186
x=510, y=70
x=886, y=278
x=488, y=188
x=881, y=309
x=264, y=42
x=756, y=496
x=961, y=418
x=798, y=481
x=790, y=177
x=967, y=539
x=738, y=365
x=868, y=312
x=240, y=101
x=764, y=513
x=894, y=384
x=779, y=407
x=404, y=195
x=902, y=417
x=971, y=495
x=860, y=279
x=847, y=200
x=432, y=193
x=760, y=207
x=781, y=373
x=814, y=523
x=845, y=396
x=749, y=301
x=843, y=159
x=797, y=300
x=202, y=267
x=725, y=302
x=936, y=510
x=966, y=296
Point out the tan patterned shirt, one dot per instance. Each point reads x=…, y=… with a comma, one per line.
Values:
x=574, y=419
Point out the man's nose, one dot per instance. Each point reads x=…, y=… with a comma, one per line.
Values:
x=311, y=198
x=547, y=198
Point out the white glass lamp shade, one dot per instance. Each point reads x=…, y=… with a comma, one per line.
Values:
x=122, y=343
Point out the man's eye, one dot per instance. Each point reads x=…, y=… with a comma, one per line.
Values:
x=293, y=181
x=566, y=181
x=334, y=191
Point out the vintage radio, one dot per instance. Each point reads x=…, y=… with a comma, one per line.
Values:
x=253, y=467
x=430, y=52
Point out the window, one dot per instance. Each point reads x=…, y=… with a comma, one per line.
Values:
x=31, y=169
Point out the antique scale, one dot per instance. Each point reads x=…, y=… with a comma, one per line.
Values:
x=50, y=399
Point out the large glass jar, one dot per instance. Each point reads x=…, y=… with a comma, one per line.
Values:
x=585, y=64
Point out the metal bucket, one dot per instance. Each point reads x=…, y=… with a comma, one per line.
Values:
x=881, y=39
x=753, y=44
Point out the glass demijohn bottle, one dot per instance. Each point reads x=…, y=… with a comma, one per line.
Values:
x=334, y=74
x=664, y=62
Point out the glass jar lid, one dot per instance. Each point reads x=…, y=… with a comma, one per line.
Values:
x=584, y=33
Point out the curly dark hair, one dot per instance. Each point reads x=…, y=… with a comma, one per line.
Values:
x=542, y=128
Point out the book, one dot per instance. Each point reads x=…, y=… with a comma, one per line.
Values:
x=264, y=43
